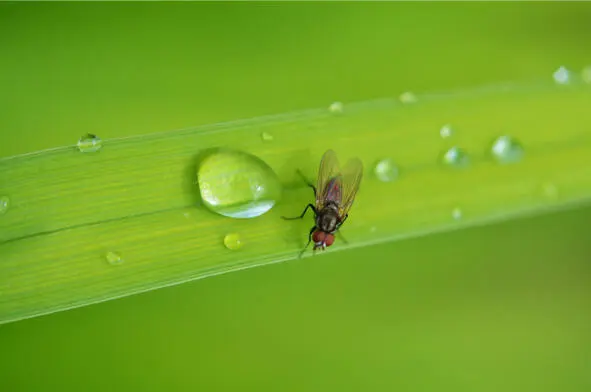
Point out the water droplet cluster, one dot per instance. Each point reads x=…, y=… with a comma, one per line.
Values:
x=239, y=185
x=504, y=149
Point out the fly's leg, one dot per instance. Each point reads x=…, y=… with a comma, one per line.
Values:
x=309, y=240
x=307, y=182
x=339, y=231
x=303, y=213
x=344, y=219
x=342, y=237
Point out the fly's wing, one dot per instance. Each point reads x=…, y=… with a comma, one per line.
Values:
x=352, y=173
x=329, y=169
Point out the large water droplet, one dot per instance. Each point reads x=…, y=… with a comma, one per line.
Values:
x=408, y=97
x=506, y=149
x=233, y=241
x=456, y=157
x=113, y=258
x=237, y=185
x=90, y=143
x=446, y=131
x=456, y=213
x=336, y=107
x=4, y=204
x=561, y=75
x=386, y=170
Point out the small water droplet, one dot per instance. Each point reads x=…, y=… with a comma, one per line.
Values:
x=506, y=149
x=456, y=213
x=456, y=157
x=550, y=190
x=586, y=74
x=4, y=204
x=233, y=241
x=386, y=170
x=237, y=185
x=267, y=137
x=113, y=258
x=90, y=143
x=408, y=97
x=561, y=75
x=446, y=131
x=336, y=107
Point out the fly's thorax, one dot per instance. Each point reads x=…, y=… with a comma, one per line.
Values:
x=328, y=219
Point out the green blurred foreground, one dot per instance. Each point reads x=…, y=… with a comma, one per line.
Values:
x=497, y=308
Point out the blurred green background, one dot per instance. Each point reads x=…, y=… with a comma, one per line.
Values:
x=498, y=308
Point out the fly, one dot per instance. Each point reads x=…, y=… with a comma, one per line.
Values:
x=334, y=192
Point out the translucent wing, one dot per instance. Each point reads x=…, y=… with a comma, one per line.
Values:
x=329, y=170
x=351, y=178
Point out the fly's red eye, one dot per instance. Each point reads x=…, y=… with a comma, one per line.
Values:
x=329, y=239
x=318, y=236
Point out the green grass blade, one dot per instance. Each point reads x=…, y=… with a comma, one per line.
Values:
x=138, y=197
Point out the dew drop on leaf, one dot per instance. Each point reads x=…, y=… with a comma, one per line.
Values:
x=4, y=204
x=386, y=170
x=113, y=258
x=446, y=131
x=233, y=241
x=456, y=157
x=237, y=185
x=336, y=107
x=506, y=149
x=266, y=136
x=408, y=97
x=561, y=75
x=90, y=143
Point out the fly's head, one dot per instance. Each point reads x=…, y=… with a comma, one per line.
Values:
x=322, y=239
